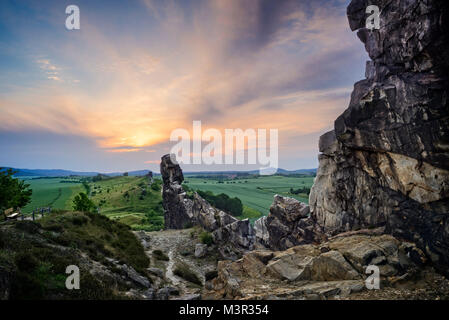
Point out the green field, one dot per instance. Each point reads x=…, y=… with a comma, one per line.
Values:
x=129, y=200
x=52, y=192
x=255, y=192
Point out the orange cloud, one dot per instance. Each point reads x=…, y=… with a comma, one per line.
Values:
x=128, y=95
x=153, y=161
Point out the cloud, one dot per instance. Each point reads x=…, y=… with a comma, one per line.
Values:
x=120, y=150
x=279, y=64
x=50, y=69
x=153, y=161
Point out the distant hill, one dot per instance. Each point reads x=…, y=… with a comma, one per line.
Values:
x=65, y=173
x=280, y=171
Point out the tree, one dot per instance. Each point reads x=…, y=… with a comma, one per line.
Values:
x=125, y=174
x=222, y=201
x=83, y=203
x=14, y=193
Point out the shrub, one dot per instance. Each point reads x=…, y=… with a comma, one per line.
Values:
x=206, y=238
x=25, y=261
x=182, y=270
x=156, y=186
x=81, y=202
x=159, y=255
x=79, y=220
x=13, y=192
x=188, y=225
x=222, y=201
x=30, y=227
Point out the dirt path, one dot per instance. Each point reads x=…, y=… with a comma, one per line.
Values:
x=170, y=267
x=179, y=246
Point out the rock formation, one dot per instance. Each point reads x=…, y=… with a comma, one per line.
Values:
x=288, y=224
x=333, y=268
x=181, y=211
x=381, y=195
x=386, y=164
x=177, y=208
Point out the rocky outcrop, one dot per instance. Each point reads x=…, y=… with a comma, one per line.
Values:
x=288, y=224
x=177, y=207
x=239, y=232
x=181, y=210
x=333, y=268
x=386, y=163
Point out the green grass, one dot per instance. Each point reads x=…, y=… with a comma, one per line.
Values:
x=129, y=200
x=51, y=192
x=36, y=254
x=255, y=193
x=251, y=214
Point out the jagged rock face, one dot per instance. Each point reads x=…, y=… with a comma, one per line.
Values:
x=177, y=207
x=181, y=211
x=261, y=232
x=288, y=224
x=387, y=161
x=239, y=232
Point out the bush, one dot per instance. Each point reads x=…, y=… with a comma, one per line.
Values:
x=83, y=203
x=14, y=193
x=222, y=201
x=30, y=227
x=304, y=190
x=156, y=186
x=182, y=270
x=79, y=220
x=159, y=255
x=206, y=238
x=188, y=225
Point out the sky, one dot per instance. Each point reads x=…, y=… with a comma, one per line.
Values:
x=106, y=97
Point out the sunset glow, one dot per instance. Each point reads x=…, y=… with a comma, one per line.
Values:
x=115, y=89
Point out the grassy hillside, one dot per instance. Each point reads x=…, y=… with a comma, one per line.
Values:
x=256, y=192
x=55, y=192
x=35, y=255
x=130, y=200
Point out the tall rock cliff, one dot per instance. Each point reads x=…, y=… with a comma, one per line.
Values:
x=177, y=208
x=386, y=163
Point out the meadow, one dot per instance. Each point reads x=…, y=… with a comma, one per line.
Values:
x=135, y=202
x=256, y=192
x=130, y=200
x=54, y=192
